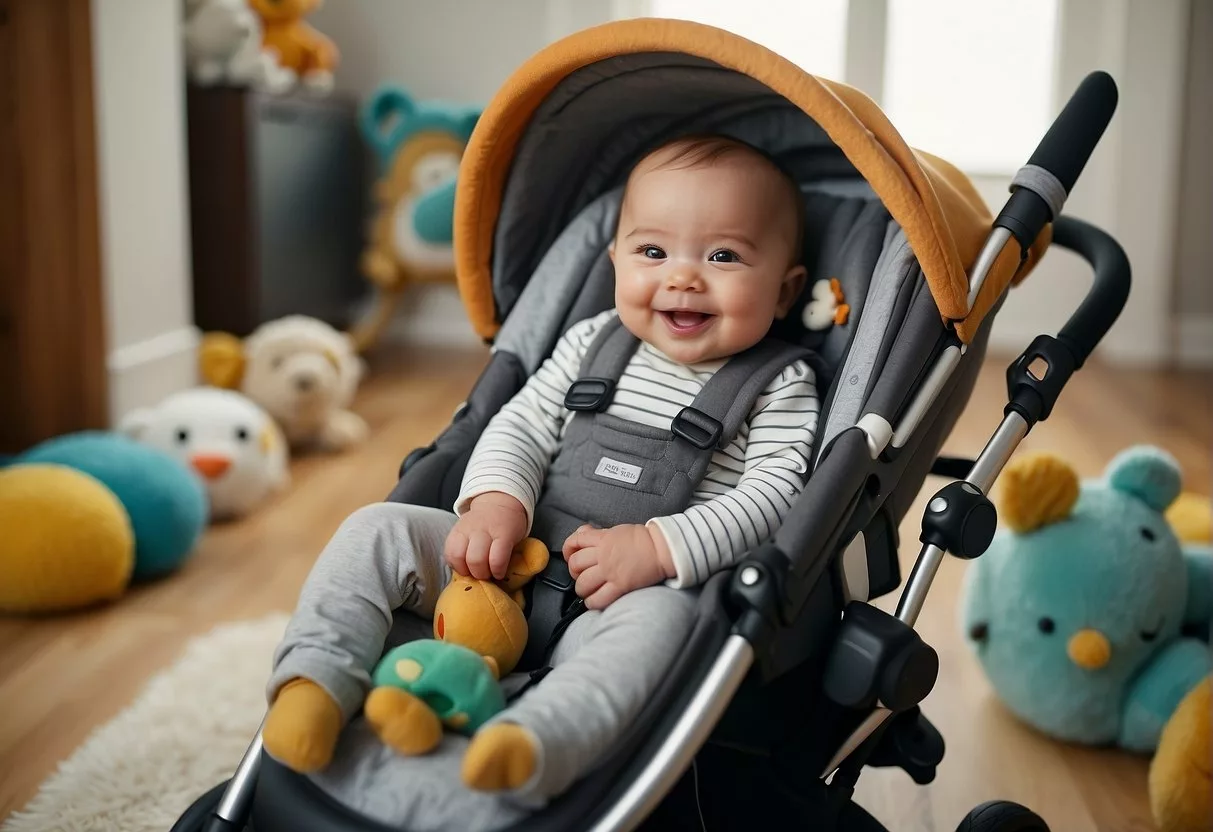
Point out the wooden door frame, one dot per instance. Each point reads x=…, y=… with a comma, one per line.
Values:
x=53, y=375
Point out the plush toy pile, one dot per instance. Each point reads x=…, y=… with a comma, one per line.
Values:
x=1091, y=619
x=88, y=513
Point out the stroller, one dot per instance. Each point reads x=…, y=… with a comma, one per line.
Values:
x=792, y=681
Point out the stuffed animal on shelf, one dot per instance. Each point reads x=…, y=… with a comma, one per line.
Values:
x=307, y=56
x=68, y=542
x=419, y=146
x=222, y=40
x=302, y=371
x=1080, y=614
x=230, y=441
x=165, y=501
x=480, y=632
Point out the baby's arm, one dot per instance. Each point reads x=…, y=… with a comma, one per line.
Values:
x=505, y=473
x=715, y=534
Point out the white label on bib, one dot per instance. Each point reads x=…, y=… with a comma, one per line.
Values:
x=615, y=470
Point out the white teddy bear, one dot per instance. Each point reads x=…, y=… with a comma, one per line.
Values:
x=223, y=43
x=232, y=444
x=301, y=370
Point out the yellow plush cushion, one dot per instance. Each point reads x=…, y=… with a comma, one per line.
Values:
x=1192, y=518
x=67, y=540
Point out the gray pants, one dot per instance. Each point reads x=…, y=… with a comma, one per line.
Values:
x=375, y=586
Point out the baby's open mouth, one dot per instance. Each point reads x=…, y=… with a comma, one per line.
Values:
x=685, y=321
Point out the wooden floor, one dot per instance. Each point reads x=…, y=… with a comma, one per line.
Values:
x=60, y=677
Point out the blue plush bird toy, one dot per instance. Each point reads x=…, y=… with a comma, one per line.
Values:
x=1087, y=613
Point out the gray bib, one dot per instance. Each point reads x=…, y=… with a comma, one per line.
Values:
x=610, y=471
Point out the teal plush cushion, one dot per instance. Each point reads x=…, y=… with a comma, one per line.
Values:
x=167, y=502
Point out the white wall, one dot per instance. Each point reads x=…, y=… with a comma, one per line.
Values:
x=1131, y=185
x=143, y=192
x=456, y=50
x=1193, y=302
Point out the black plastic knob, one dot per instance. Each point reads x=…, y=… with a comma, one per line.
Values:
x=960, y=520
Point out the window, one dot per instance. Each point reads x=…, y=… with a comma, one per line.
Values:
x=811, y=35
x=970, y=82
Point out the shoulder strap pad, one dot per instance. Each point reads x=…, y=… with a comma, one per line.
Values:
x=730, y=394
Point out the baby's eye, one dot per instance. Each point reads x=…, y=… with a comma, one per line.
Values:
x=724, y=256
x=652, y=252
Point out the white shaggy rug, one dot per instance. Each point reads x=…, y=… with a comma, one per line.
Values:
x=183, y=734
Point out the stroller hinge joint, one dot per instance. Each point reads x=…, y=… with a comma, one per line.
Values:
x=1036, y=378
x=879, y=660
x=960, y=519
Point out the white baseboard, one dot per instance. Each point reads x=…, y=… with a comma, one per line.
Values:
x=143, y=373
x=1194, y=341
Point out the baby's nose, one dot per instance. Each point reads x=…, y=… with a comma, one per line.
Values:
x=683, y=278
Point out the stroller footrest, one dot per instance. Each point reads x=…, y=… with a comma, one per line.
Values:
x=879, y=659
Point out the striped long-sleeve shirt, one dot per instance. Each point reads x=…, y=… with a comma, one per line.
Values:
x=748, y=487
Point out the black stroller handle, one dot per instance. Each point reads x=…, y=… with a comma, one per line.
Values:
x=1108, y=293
x=1071, y=139
x=1037, y=377
x=1040, y=189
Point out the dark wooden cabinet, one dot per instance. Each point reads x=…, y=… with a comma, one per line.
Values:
x=278, y=197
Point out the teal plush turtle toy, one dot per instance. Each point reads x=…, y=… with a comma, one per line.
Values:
x=1091, y=618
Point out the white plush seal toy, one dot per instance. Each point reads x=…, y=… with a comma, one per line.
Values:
x=230, y=441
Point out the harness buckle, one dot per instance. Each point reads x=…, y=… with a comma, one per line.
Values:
x=556, y=574
x=697, y=427
x=589, y=394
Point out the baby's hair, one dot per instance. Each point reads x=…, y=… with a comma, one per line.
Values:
x=703, y=149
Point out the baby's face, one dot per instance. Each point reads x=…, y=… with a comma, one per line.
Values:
x=703, y=255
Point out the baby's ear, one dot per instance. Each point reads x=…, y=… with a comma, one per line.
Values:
x=790, y=289
x=1036, y=490
x=1148, y=473
x=528, y=559
x=221, y=360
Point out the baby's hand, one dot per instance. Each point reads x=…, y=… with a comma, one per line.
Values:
x=609, y=563
x=482, y=540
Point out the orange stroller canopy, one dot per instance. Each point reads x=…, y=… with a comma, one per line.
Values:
x=662, y=71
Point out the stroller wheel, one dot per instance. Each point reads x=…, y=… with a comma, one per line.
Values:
x=1002, y=816
x=199, y=816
